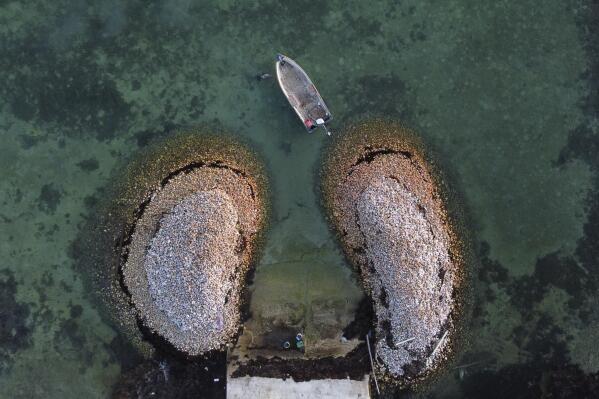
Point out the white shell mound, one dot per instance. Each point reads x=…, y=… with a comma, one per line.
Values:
x=190, y=264
x=407, y=257
x=190, y=268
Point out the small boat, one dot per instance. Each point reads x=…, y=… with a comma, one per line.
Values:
x=302, y=94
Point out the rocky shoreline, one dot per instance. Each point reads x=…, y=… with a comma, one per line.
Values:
x=169, y=255
x=388, y=206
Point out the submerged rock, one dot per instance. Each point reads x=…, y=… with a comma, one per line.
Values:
x=172, y=250
x=390, y=209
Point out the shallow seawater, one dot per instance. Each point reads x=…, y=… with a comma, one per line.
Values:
x=505, y=92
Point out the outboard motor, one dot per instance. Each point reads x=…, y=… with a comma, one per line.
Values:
x=320, y=122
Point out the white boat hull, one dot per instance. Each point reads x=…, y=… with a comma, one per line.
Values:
x=301, y=93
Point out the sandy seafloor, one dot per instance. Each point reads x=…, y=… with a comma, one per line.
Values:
x=506, y=92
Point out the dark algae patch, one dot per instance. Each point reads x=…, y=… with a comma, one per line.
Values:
x=547, y=369
x=389, y=102
x=15, y=331
x=362, y=322
x=49, y=198
x=547, y=374
x=354, y=365
x=89, y=165
x=145, y=137
x=525, y=381
x=71, y=91
x=169, y=377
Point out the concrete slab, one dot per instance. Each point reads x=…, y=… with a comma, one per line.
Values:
x=271, y=388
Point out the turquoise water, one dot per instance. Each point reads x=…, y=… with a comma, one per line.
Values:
x=505, y=91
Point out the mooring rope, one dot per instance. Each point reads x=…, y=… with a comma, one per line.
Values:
x=376, y=383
